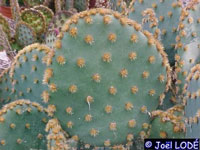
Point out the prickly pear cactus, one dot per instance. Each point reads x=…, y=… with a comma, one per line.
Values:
x=118, y=5
x=35, y=19
x=48, y=13
x=60, y=5
x=169, y=101
x=168, y=20
x=5, y=88
x=99, y=4
x=25, y=123
x=4, y=43
x=188, y=45
x=28, y=71
x=15, y=46
x=95, y=77
x=50, y=38
x=150, y=22
x=169, y=123
x=57, y=138
x=25, y=35
x=81, y=5
x=15, y=9
x=192, y=103
x=59, y=20
x=69, y=4
x=5, y=26
x=31, y=3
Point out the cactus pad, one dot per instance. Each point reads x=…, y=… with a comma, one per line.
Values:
x=5, y=26
x=168, y=124
x=15, y=9
x=48, y=13
x=192, y=102
x=81, y=5
x=168, y=20
x=59, y=20
x=188, y=45
x=35, y=19
x=4, y=43
x=31, y=3
x=50, y=38
x=118, y=5
x=5, y=88
x=25, y=123
x=25, y=34
x=27, y=72
x=169, y=101
x=57, y=138
x=69, y=4
x=95, y=79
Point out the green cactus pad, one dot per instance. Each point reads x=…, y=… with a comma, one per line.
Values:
x=97, y=92
x=50, y=38
x=48, y=13
x=59, y=20
x=188, y=45
x=168, y=124
x=5, y=88
x=25, y=34
x=192, y=102
x=25, y=123
x=35, y=19
x=27, y=72
x=168, y=20
x=5, y=26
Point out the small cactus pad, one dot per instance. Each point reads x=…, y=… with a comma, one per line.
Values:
x=48, y=13
x=5, y=26
x=28, y=71
x=25, y=34
x=25, y=123
x=57, y=138
x=188, y=45
x=168, y=20
x=192, y=102
x=168, y=124
x=59, y=20
x=50, y=38
x=35, y=19
x=5, y=88
x=99, y=96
